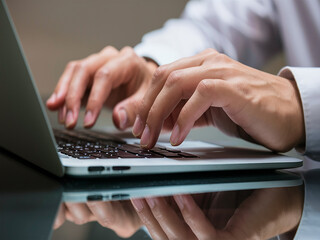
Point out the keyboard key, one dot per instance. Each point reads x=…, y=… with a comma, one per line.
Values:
x=86, y=145
x=187, y=155
x=86, y=157
x=173, y=150
x=167, y=154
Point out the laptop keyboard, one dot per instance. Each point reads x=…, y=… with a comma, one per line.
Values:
x=84, y=144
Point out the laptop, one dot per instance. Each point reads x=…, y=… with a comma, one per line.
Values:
x=25, y=131
x=93, y=189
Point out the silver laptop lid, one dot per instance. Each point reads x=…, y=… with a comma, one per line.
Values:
x=24, y=127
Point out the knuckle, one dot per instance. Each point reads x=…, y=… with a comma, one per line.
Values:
x=210, y=51
x=206, y=87
x=127, y=50
x=102, y=73
x=159, y=73
x=174, y=78
x=134, y=60
x=221, y=57
x=71, y=100
x=127, y=233
x=80, y=221
x=109, y=49
x=91, y=57
x=221, y=70
x=107, y=221
x=81, y=65
x=72, y=64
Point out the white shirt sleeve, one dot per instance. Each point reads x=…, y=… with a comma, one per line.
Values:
x=310, y=221
x=308, y=82
x=245, y=30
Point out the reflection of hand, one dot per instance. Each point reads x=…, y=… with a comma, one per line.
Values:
x=119, y=216
x=261, y=214
x=210, y=88
x=113, y=76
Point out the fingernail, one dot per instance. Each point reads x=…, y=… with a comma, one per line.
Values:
x=61, y=116
x=137, y=204
x=145, y=137
x=123, y=117
x=69, y=119
x=137, y=127
x=180, y=201
x=175, y=135
x=52, y=99
x=151, y=202
x=88, y=119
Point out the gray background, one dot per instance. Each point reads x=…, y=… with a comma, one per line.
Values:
x=55, y=32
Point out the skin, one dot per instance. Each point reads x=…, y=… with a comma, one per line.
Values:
x=261, y=214
x=238, y=215
x=112, y=78
x=216, y=90
x=204, y=90
x=119, y=216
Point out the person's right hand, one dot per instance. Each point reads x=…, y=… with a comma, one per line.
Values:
x=231, y=215
x=118, y=79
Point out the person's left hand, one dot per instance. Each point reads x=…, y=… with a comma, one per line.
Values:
x=242, y=215
x=212, y=89
x=119, y=216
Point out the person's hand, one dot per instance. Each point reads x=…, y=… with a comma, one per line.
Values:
x=115, y=78
x=212, y=89
x=259, y=214
x=119, y=216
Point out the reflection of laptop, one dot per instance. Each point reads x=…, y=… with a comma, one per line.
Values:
x=25, y=131
x=41, y=195
x=83, y=190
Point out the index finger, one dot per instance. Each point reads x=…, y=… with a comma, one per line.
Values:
x=92, y=62
x=158, y=80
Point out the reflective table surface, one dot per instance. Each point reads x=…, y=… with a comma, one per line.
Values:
x=225, y=205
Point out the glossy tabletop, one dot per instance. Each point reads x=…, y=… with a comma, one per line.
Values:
x=33, y=203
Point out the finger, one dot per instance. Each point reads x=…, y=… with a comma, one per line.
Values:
x=79, y=212
x=69, y=216
x=60, y=219
x=124, y=113
x=62, y=114
x=168, y=219
x=104, y=212
x=92, y=63
x=56, y=100
x=83, y=72
x=195, y=218
x=209, y=92
x=179, y=85
x=115, y=215
x=148, y=219
x=116, y=72
x=158, y=80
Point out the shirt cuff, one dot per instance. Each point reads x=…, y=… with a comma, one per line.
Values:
x=309, y=223
x=308, y=82
x=160, y=54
